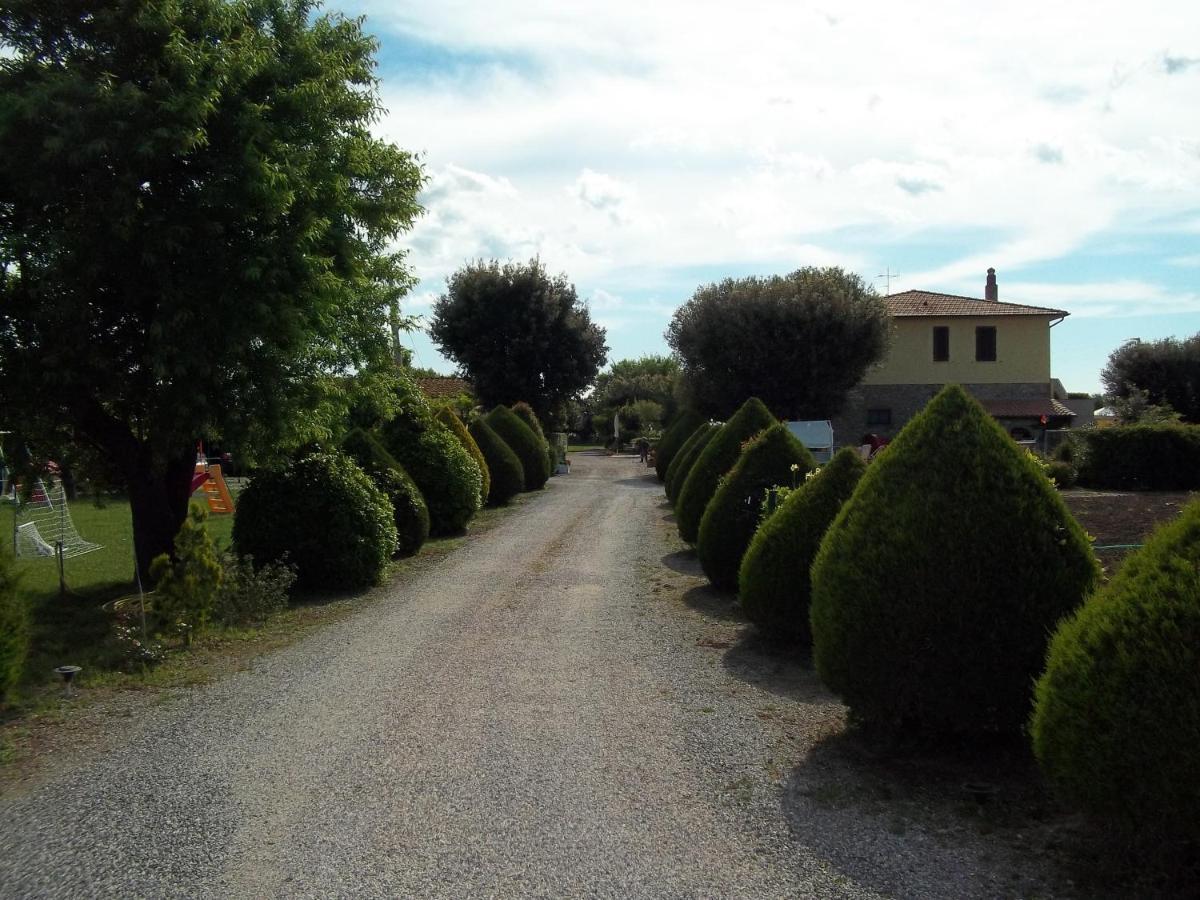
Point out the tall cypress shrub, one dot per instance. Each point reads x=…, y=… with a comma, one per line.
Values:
x=682, y=464
x=939, y=582
x=446, y=416
x=1116, y=725
x=717, y=459
x=508, y=477
x=773, y=584
x=673, y=439
x=409, y=511
x=731, y=517
x=524, y=443
x=525, y=413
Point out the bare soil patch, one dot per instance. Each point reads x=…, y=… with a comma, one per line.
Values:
x=1118, y=520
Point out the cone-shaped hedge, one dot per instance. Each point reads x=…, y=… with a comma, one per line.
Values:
x=447, y=475
x=508, y=477
x=732, y=515
x=773, y=583
x=1117, y=719
x=673, y=439
x=14, y=627
x=446, y=416
x=408, y=506
x=524, y=443
x=526, y=414
x=717, y=459
x=682, y=464
x=936, y=588
x=326, y=514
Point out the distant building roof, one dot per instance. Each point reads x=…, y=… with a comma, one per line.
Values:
x=929, y=303
x=445, y=387
x=1026, y=409
x=1105, y=412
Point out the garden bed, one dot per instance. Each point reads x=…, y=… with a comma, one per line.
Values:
x=1117, y=520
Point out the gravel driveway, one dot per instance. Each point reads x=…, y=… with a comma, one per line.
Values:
x=536, y=715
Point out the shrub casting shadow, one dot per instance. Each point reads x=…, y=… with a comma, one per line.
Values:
x=707, y=600
x=784, y=669
x=641, y=481
x=684, y=562
x=853, y=799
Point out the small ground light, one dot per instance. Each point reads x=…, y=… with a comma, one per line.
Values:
x=68, y=674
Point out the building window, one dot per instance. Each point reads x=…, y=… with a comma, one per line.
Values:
x=879, y=417
x=985, y=343
x=941, y=343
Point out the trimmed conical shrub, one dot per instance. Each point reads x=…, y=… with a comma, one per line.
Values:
x=673, y=439
x=717, y=459
x=682, y=464
x=732, y=515
x=447, y=475
x=1116, y=724
x=325, y=514
x=936, y=588
x=773, y=583
x=14, y=628
x=408, y=506
x=508, y=477
x=525, y=413
x=446, y=416
x=524, y=443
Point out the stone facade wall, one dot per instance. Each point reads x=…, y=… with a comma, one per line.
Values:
x=906, y=400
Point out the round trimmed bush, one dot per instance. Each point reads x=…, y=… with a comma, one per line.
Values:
x=1116, y=725
x=681, y=465
x=448, y=477
x=524, y=443
x=326, y=514
x=731, y=517
x=526, y=414
x=936, y=588
x=673, y=439
x=773, y=583
x=446, y=416
x=409, y=511
x=14, y=627
x=717, y=459
x=1063, y=473
x=507, y=475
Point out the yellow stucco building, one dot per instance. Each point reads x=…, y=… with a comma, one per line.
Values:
x=999, y=352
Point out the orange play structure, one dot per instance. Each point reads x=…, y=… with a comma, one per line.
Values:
x=210, y=482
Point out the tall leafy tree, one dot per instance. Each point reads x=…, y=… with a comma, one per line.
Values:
x=799, y=342
x=1163, y=373
x=519, y=334
x=194, y=219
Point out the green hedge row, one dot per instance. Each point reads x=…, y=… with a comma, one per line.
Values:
x=1142, y=457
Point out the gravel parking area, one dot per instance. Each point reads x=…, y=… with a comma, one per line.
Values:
x=558, y=708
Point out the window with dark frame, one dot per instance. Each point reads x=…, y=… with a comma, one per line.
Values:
x=941, y=343
x=985, y=343
x=879, y=417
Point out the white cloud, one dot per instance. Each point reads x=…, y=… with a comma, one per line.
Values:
x=1114, y=299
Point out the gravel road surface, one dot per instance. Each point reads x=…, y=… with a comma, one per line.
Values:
x=539, y=714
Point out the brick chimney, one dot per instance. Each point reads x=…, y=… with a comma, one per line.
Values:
x=992, y=291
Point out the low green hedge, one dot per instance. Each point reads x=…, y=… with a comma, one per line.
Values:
x=409, y=511
x=325, y=514
x=773, y=584
x=673, y=439
x=529, y=449
x=1116, y=726
x=508, y=477
x=1142, y=457
x=14, y=627
x=681, y=465
x=731, y=517
x=716, y=459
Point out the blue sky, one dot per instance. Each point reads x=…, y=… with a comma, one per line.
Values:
x=647, y=148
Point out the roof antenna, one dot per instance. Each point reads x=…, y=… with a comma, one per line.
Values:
x=888, y=275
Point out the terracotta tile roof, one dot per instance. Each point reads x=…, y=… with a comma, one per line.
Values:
x=1025, y=409
x=929, y=303
x=446, y=387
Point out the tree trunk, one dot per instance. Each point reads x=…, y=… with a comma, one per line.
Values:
x=158, y=500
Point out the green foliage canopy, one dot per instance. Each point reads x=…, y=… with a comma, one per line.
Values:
x=1166, y=370
x=194, y=229
x=519, y=334
x=797, y=341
